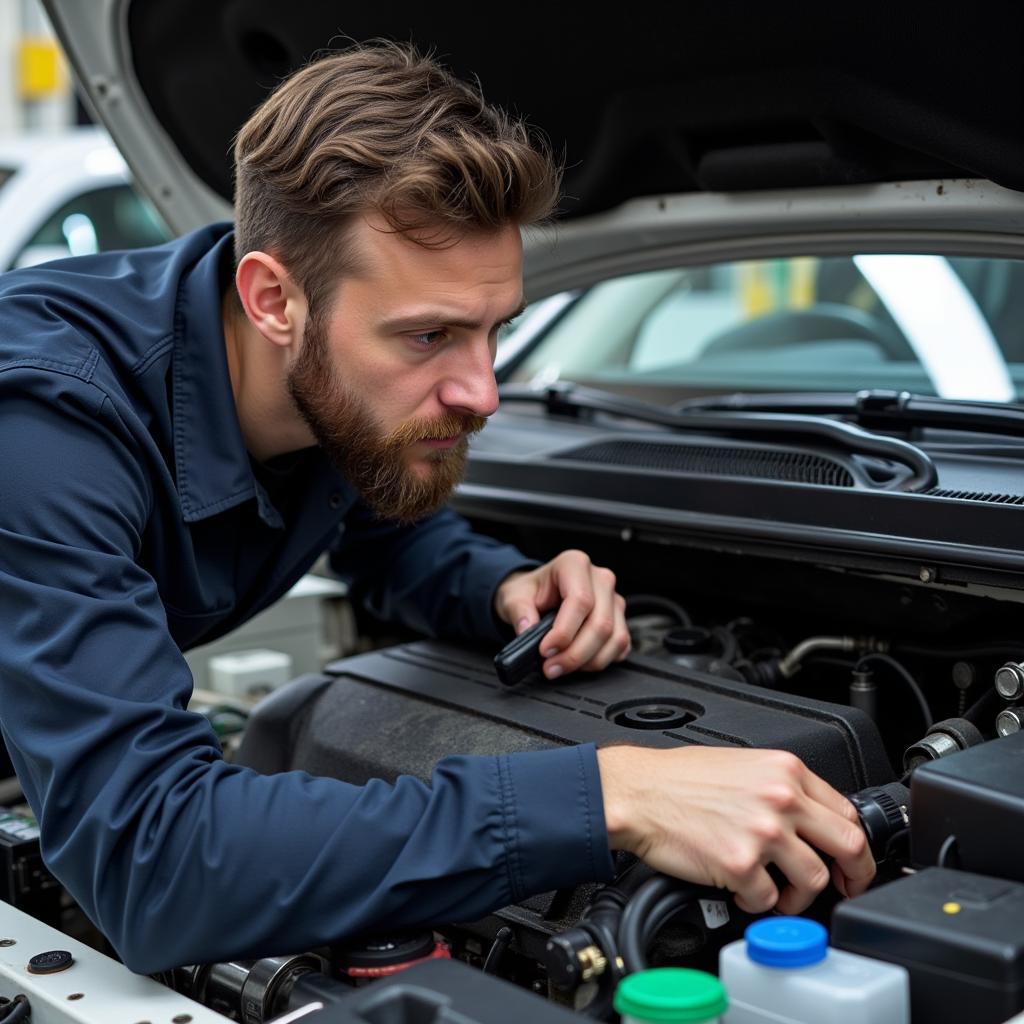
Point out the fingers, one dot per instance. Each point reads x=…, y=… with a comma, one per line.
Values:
x=838, y=834
x=571, y=575
x=590, y=630
x=806, y=873
x=757, y=894
x=818, y=789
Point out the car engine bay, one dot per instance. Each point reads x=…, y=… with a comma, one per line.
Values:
x=874, y=684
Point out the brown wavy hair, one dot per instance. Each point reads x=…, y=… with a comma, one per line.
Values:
x=383, y=128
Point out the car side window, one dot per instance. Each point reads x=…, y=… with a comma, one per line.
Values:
x=114, y=217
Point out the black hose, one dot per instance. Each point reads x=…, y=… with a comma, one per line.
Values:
x=985, y=705
x=497, y=950
x=18, y=1009
x=915, y=689
x=636, y=929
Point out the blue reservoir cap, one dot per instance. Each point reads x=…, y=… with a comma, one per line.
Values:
x=786, y=942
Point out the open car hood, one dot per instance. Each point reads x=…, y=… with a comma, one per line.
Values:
x=766, y=113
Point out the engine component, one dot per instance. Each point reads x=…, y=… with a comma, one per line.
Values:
x=24, y=881
x=968, y=810
x=790, y=664
x=884, y=816
x=712, y=651
x=957, y=934
x=442, y=990
x=901, y=672
x=255, y=991
x=434, y=699
x=1010, y=720
x=864, y=692
x=1010, y=680
x=944, y=738
x=616, y=932
x=383, y=955
x=13, y=1011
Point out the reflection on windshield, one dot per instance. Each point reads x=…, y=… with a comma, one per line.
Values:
x=929, y=324
x=943, y=324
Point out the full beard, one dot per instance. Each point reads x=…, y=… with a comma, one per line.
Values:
x=375, y=462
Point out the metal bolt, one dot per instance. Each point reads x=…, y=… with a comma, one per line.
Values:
x=1009, y=720
x=592, y=962
x=926, y=574
x=1010, y=680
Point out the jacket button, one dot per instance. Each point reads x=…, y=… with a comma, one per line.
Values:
x=335, y=500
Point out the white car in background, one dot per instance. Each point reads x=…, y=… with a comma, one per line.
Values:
x=69, y=193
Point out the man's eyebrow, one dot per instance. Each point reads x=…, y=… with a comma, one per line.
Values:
x=427, y=316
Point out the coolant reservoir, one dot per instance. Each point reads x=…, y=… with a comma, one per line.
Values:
x=783, y=971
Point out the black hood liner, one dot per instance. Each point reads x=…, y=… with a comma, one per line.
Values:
x=655, y=98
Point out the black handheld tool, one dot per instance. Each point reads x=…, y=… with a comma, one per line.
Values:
x=518, y=658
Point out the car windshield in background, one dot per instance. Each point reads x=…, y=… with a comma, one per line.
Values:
x=929, y=324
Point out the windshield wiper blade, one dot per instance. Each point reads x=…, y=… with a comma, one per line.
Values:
x=567, y=399
x=874, y=408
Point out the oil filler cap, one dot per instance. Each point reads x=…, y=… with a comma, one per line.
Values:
x=786, y=942
x=51, y=962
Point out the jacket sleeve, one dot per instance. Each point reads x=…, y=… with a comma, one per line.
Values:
x=177, y=856
x=436, y=576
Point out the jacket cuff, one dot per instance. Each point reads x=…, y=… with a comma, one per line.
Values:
x=554, y=819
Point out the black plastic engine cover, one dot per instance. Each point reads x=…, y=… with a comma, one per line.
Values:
x=399, y=711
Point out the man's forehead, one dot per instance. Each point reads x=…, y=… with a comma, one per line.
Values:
x=472, y=278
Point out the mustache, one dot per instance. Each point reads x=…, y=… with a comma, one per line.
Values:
x=440, y=429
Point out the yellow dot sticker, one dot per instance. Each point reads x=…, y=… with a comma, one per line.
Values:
x=951, y=908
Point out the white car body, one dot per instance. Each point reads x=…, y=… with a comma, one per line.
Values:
x=45, y=173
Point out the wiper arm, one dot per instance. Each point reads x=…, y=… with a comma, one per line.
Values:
x=875, y=408
x=567, y=399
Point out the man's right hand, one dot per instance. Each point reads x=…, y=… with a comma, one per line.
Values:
x=718, y=816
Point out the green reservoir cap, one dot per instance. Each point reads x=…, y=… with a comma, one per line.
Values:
x=670, y=994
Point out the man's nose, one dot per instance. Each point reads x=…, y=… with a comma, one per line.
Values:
x=469, y=382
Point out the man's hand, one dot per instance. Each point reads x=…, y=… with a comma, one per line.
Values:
x=590, y=629
x=718, y=816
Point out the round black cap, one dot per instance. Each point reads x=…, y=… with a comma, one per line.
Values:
x=50, y=962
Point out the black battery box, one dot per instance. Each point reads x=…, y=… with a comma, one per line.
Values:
x=959, y=935
x=24, y=881
x=967, y=810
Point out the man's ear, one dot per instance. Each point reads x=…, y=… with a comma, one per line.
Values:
x=274, y=304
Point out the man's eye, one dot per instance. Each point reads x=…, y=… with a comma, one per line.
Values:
x=427, y=339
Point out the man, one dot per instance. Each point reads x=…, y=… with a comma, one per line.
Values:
x=187, y=428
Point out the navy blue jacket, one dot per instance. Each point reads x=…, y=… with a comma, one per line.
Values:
x=133, y=525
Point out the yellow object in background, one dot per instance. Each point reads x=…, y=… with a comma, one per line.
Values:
x=757, y=296
x=41, y=71
x=769, y=285
x=803, y=274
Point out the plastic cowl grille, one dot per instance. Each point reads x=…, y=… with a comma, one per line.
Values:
x=794, y=467
x=987, y=496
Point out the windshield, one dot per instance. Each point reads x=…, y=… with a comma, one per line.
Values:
x=929, y=324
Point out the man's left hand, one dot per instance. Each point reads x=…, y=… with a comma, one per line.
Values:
x=589, y=631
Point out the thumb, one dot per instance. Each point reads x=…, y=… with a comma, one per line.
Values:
x=523, y=614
